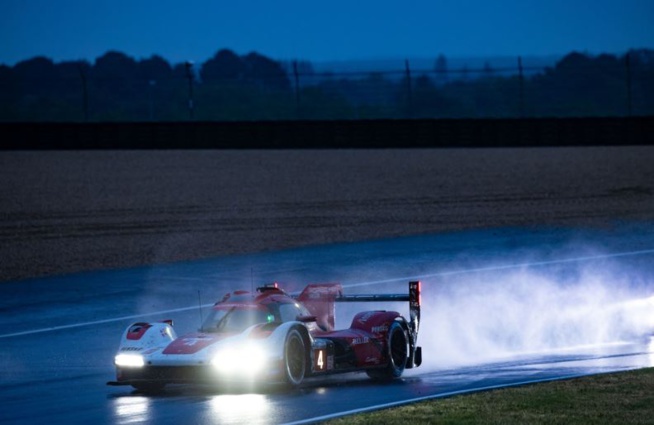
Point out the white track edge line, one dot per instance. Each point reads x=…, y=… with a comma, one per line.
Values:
x=99, y=322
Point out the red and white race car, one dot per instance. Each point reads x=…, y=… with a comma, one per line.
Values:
x=272, y=336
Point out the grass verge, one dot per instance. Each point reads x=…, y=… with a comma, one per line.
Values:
x=617, y=398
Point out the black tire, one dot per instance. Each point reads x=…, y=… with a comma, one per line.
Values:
x=149, y=387
x=295, y=362
x=398, y=352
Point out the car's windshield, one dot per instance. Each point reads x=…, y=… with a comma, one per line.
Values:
x=236, y=319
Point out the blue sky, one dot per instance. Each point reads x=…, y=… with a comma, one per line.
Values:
x=320, y=31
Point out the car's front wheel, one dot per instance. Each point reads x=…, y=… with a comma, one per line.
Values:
x=294, y=358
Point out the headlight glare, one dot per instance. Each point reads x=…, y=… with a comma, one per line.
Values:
x=248, y=359
x=129, y=360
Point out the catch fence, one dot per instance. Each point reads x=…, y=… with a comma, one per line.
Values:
x=575, y=86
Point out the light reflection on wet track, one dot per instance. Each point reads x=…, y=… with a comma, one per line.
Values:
x=321, y=400
x=58, y=376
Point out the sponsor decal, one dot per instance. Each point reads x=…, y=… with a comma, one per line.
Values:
x=131, y=348
x=379, y=329
x=360, y=340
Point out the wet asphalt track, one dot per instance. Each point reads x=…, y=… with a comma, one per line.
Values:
x=59, y=334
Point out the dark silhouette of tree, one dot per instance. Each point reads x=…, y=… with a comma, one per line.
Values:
x=9, y=94
x=373, y=96
x=155, y=68
x=36, y=69
x=580, y=85
x=70, y=77
x=249, y=87
x=71, y=88
x=72, y=70
x=224, y=66
x=179, y=71
x=157, y=86
x=428, y=100
x=115, y=79
x=488, y=70
x=252, y=87
x=35, y=79
x=35, y=76
x=440, y=68
x=115, y=65
x=265, y=72
x=6, y=73
x=641, y=67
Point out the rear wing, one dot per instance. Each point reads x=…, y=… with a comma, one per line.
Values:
x=319, y=299
x=413, y=297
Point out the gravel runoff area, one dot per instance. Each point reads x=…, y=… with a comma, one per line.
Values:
x=70, y=211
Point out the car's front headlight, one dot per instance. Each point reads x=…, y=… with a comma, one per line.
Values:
x=247, y=359
x=129, y=360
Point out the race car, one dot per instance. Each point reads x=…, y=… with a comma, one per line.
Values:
x=272, y=336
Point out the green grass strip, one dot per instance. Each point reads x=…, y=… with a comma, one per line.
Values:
x=617, y=398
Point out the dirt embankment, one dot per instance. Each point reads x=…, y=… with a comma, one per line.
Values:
x=64, y=212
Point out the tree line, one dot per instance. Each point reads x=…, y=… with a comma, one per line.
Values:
x=228, y=86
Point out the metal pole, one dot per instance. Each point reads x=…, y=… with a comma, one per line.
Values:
x=296, y=74
x=521, y=88
x=151, y=85
x=409, y=104
x=85, y=94
x=629, y=92
x=189, y=76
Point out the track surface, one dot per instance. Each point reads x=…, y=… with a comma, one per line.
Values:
x=58, y=340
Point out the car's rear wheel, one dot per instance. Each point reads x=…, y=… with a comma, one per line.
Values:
x=398, y=352
x=294, y=358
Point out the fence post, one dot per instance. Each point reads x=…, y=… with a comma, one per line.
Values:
x=627, y=61
x=521, y=88
x=151, y=86
x=85, y=94
x=296, y=76
x=189, y=76
x=409, y=97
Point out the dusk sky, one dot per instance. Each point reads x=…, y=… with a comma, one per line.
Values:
x=320, y=31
